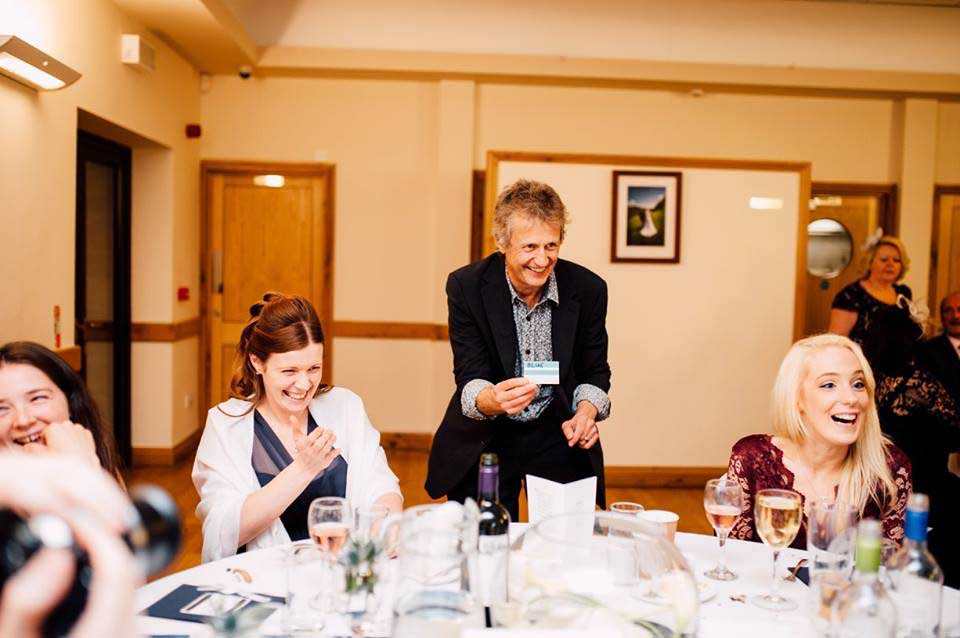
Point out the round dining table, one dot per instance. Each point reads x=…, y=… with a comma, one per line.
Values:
x=725, y=610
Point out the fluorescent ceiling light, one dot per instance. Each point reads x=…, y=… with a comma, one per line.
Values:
x=273, y=181
x=828, y=200
x=766, y=203
x=31, y=66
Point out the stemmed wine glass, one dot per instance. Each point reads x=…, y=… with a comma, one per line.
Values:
x=777, y=515
x=329, y=520
x=722, y=501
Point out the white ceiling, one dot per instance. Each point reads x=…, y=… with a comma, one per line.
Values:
x=217, y=35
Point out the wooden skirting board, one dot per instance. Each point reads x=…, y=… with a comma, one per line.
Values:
x=144, y=456
x=630, y=476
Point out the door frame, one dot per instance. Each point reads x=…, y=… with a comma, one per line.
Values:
x=251, y=167
x=888, y=213
x=94, y=148
x=933, y=292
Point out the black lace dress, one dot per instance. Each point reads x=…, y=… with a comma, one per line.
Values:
x=921, y=417
x=877, y=322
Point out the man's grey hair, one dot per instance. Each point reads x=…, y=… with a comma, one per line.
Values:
x=534, y=200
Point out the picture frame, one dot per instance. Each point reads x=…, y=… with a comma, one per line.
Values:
x=646, y=217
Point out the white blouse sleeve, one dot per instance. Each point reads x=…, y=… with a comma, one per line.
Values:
x=373, y=473
x=221, y=499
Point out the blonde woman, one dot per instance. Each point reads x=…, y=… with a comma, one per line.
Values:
x=859, y=308
x=827, y=443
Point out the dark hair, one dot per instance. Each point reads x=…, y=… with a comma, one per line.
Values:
x=83, y=410
x=278, y=323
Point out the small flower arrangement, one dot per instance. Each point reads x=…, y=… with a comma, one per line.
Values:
x=359, y=560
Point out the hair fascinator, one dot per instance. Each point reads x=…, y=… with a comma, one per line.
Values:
x=872, y=240
x=918, y=310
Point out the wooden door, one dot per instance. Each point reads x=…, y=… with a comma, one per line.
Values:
x=859, y=216
x=945, y=250
x=268, y=227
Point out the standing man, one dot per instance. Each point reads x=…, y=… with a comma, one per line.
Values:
x=942, y=353
x=524, y=304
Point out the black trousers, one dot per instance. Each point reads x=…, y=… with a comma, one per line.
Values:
x=536, y=447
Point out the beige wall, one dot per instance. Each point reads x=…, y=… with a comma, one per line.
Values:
x=694, y=346
x=37, y=176
x=417, y=142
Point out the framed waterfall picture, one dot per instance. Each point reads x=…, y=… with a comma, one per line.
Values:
x=646, y=217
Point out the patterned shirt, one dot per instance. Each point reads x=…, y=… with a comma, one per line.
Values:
x=534, y=343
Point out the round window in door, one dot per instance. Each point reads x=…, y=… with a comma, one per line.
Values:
x=829, y=248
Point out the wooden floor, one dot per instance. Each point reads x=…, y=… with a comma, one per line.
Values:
x=411, y=468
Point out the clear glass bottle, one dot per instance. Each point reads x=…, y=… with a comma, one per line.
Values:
x=493, y=540
x=864, y=608
x=916, y=579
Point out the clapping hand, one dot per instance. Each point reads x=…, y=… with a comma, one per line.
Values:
x=315, y=451
x=69, y=438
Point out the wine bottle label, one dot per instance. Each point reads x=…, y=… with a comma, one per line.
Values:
x=493, y=553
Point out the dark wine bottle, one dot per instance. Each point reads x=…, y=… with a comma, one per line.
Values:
x=493, y=540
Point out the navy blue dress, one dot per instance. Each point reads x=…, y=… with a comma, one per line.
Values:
x=269, y=458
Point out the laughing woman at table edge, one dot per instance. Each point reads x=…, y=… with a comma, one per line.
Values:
x=284, y=438
x=827, y=443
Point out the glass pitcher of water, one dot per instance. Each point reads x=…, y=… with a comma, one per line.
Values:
x=437, y=571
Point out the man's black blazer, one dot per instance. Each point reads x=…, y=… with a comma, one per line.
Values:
x=940, y=357
x=484, y=341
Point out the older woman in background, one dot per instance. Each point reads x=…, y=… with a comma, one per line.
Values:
x=827, y=443
x=859, y=308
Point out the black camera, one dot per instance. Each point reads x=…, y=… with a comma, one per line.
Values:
x=154, y=541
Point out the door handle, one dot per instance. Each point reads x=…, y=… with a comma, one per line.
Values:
x=216, y=267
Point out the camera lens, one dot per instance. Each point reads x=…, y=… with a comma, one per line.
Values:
x=154, y=541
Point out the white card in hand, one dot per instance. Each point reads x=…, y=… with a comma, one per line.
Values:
x=542, y=372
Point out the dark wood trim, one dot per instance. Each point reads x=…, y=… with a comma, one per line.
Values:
x=165, y=332
x=934, y=294
x=73, y=355
x=391, y=330
x=164, y=456
x=888, y=213
x=801, y=168
x=118, y=157
x=619, y=476
x=406, y=441
x=636, y=476
x=476, y=215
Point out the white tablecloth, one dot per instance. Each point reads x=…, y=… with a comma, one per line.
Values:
x=720, y=617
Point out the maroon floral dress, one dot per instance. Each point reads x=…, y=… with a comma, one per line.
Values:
x=757, y=464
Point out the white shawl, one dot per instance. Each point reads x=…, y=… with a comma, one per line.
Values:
x=223, y=471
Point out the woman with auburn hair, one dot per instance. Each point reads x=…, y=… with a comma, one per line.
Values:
x=860, y=309
x=284, y=438
x=827, y=443
x=46, y=407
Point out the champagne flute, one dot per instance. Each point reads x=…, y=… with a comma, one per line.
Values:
x=777, y=515
x=329, y=520
x=722, y=501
